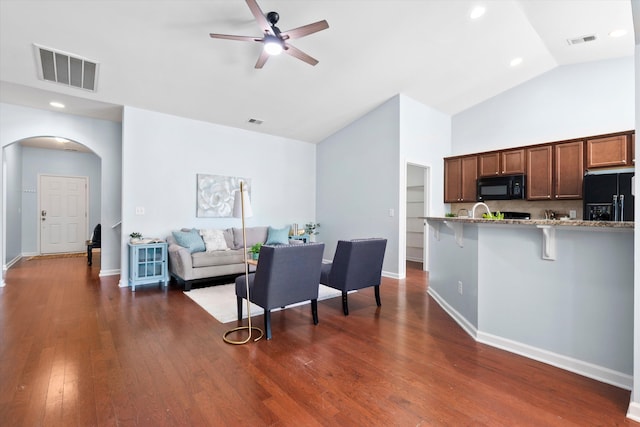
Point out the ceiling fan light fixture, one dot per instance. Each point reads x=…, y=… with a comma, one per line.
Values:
x=273, y=45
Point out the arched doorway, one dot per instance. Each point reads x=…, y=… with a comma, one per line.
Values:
x=25, y=164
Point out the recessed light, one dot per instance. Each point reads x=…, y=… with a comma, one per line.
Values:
x=515, y=62
x=617, y=33
x=56, y=104
x=477, y=12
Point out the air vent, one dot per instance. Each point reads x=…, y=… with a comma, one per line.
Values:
x=583, y=39
x=256, y=121
x=67, y=69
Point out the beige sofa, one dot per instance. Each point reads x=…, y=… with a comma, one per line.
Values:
x=189, y=264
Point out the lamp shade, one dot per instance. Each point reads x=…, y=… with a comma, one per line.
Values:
x=241, y=196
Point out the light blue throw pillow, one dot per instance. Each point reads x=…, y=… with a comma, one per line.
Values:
x=190, y=239
x=278, y=236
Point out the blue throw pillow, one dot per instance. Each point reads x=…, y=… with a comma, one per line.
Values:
x=190, y=240
x=278, y=236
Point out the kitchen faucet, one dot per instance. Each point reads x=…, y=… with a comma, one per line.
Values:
x=473, y=210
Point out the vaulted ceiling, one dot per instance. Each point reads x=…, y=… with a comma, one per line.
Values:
x=158, y=55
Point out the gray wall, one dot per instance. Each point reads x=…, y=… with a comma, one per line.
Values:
x=13, y=166
x=358, y=182
x=37, y=161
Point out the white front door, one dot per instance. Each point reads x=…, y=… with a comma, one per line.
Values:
x=63, y=214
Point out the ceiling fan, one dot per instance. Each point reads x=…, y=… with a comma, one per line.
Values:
x=274, y=40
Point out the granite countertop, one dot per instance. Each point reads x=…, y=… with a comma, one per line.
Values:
x=556, y=222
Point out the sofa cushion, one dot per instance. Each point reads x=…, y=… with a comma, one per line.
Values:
x=254, y=235
x=278, y=236
x=209, y=259
x=190, y=240
x=228, y=237
x=214, y=240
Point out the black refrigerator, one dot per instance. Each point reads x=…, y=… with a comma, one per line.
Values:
x=607, y=197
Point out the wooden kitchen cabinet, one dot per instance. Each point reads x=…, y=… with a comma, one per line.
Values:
x=489, y=164
x=633, y=149
x=507, y=162
x=568, y=170
x=608, y=152
x=540, y=176
x=460, y=174
x=512, y=161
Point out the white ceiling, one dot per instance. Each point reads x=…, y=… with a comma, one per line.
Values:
x=158, y=55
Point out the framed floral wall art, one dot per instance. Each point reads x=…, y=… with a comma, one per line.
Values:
x=216, y=193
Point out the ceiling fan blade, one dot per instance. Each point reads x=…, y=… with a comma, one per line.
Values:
x=259, y=15
x=295, y=52
x=262, y=59
x=305, y=30
x=229, y=37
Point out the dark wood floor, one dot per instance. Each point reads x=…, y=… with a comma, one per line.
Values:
x=77, y=350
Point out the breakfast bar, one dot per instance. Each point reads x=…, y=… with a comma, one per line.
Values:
x=552, y=290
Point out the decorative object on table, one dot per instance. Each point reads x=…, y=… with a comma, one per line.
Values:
x=215, y=198
x=311, y=228
x=242, y=209
x=356, y=264
x=135, y=237
x=255, y=250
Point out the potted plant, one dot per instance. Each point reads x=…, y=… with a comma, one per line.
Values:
x=135, y=237
x=311, y=228
x=255, y=250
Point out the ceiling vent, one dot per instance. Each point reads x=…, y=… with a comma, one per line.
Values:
x=583, y=39
x=66, y=69
x=256, y=121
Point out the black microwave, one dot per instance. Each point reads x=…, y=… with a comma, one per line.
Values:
x=503, y=187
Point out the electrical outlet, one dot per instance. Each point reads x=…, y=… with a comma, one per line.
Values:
x=391, y=212
x=572, y=214
x=460, y=287
x=139, y=210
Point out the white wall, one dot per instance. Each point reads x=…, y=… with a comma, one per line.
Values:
x=359, y=182
x=567, y=102
x=101, y=136
x=425, y=138
x=162, y=154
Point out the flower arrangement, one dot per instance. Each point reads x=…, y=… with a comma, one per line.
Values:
x=135, y=235
x=311, y=228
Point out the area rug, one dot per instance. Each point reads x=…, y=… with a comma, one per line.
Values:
x=220, y=301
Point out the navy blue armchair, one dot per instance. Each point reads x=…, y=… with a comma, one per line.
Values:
x=356, y=264
x=286, y=274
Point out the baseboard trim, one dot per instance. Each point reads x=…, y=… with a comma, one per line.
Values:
x=460, y=319
x=570, y=364
x=104, y=273
x=633, y=412
x=13, y=261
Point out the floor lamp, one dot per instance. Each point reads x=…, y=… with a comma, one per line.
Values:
x=242, y=209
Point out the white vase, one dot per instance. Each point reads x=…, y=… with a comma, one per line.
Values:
x=312, y=238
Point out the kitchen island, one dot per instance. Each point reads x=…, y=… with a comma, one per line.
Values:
x=556, y=291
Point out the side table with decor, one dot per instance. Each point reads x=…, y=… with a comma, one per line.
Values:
x=148, y=264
